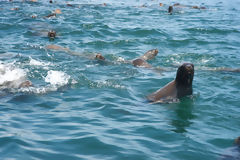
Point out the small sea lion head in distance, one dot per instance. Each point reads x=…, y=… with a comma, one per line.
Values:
x=195, y=7
x=176, y=4
x=52, y=34
x=184, y=79
x=170, y=9
x=99, y=56
x=237, y=141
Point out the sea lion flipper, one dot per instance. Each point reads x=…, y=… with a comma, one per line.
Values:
x=150, y=54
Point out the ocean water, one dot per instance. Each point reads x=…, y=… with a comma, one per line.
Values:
x=80, y=108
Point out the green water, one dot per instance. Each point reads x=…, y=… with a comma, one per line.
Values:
x=80, y=108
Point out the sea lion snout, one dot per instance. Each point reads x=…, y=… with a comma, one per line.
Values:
x=189, y=68
x=155, y=52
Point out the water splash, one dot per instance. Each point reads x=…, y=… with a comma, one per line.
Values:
x=11, y=76
x=57, y=78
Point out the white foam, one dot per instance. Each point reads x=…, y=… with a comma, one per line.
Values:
x=120, y=59
x=11, y=76
x=57, y=78
x=34, y=62
x=91, y=65
x=39, y=90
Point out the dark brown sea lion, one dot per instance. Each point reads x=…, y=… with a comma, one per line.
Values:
x=51, y=34
x=237, y=141
x=170, y=9
x=51, y=15
x=140, y=63
x=178, y=88
x=70, y=5
x=232, y=153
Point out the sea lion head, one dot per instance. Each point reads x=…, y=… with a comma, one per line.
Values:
x=184, y=79
x=99, y=56
x=237, y=141
x=150, y=54
x=176, y=4
x=51, y=34
x=154, y=52
x=195, y=7
x=170, y=9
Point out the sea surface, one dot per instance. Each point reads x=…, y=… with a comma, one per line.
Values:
x=81, y=108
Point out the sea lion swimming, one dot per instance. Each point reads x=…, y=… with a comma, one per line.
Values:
x=97, y=56
x=170, y=9
x=141, y=61
x=232, y=153
x=51, y=34
x=188, y=6
x=178, y=88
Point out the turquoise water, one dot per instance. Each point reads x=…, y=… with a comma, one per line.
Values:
x=80, y=108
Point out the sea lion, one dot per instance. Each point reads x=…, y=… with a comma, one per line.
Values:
x=141, y=61
x=178, y=88
x=15, y=9
x=70, y=5
x=51, y=15
x=187, y=6
x=58, y=11
x=232, y=153
x=52, y=34
x=170, y=9
x=237, y=141
x=97, y=56
x=54, y=13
